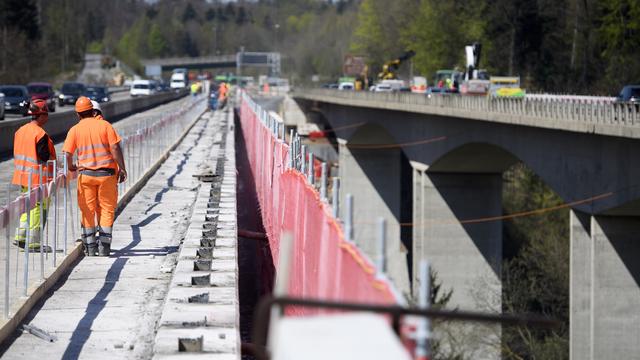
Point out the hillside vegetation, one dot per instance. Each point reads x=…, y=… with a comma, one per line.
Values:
x=583, y=46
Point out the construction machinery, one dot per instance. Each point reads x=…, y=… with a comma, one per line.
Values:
x=475, y=82
x=389, y=68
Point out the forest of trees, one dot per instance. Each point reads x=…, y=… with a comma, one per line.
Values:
x=581, y=46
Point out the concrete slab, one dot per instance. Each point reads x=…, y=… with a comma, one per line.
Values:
x=110, y=307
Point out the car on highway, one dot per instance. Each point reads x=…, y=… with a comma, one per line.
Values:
x=1, y=106
x=16, y=99
x=44, y=91
x=70, y=92
x=98, y=93
x=345, y=85
x=142, y=87
x=630, y=94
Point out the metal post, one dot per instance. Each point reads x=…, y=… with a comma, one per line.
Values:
x=382, y=245
x=323, y=182
x=348, y=221
x=336, y=197
x=55, y=212
x=28, y=234
x=291, y=152
x=41, y=198
x=7, y=265
x=311, y=175
x=424, y=302
x=303, y=159
x=65, y=168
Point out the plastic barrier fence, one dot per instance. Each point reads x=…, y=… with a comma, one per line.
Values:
x=324, y=264
x=143, y=143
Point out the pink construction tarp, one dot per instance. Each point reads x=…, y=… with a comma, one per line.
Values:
x=325, y=265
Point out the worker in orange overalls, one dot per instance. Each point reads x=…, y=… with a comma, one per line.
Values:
x=32, y=148
x=100, y=166
x=222, y=95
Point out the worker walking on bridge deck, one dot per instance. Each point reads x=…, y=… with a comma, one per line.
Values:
x=100, y=166
x=32, y=149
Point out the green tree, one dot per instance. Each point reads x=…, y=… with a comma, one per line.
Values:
x=619, y=34
x=440, y=30
x=156, y=42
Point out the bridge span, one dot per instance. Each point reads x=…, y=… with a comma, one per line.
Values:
x=429, y=165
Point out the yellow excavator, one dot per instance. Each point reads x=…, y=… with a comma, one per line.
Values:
x=390, y=67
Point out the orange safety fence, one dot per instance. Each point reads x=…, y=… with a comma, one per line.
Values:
x=324, y=265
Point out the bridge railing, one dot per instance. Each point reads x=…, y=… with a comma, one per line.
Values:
x=597, y=111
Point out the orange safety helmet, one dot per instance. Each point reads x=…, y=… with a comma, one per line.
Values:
x=83, y=104
x=38, y=107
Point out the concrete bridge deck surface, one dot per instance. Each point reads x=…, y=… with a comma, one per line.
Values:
x=110, y=308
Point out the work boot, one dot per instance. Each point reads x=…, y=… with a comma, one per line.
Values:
x=90, y=249
x=105, y=242
x=104, y=249
x=89, y=243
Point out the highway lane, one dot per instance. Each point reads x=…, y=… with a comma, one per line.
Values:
x=8, y=191
x=121, y=95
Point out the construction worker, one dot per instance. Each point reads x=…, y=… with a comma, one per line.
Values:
x=32, y=148
x=222, y=95
x=97, y=110
x=194, y=89
x=100, y=166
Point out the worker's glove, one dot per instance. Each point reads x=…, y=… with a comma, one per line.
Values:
x=122, y=176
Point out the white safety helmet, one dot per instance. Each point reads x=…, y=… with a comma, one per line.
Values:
x=96, y=106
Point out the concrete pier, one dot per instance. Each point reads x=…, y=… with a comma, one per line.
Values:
x=605, y=291
x=373, y=177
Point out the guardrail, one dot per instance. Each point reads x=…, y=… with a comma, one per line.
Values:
x=60, y=123
x=26, y=275
x=116, y=89
x=551, y=108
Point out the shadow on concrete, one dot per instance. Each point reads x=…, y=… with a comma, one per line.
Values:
x=83, y=330
x=390, y=173
x=622, y=233
x=179, y=169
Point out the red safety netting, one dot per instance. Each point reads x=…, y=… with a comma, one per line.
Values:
x=324, y=265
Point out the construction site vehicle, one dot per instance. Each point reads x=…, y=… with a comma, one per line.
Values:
x=389, y=68
x=445, y=81
x=475, y=82
x=506, y=87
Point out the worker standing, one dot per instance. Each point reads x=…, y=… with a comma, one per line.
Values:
x=100, y=166
x=194, y=89
x=222, y=95
x=32, y=149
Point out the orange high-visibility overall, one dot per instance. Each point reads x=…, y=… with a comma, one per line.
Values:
x=25, y=159
x=98, y=179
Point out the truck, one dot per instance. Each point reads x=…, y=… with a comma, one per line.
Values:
x=475, y=81
x=505, y=87
x=419, y=85
x=179, y=79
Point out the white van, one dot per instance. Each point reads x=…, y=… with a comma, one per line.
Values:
x=142, y=87
x=178, y=80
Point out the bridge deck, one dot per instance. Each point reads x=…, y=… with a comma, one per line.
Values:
x=111, y=307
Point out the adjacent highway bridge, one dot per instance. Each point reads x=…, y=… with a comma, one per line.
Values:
x=432, y=167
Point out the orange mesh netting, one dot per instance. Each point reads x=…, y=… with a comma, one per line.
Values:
x=324, y=264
